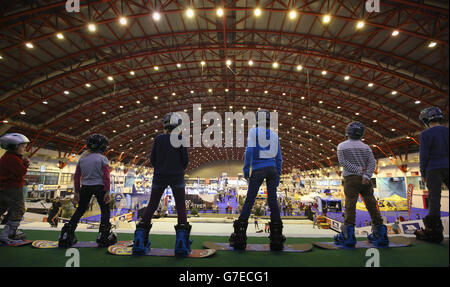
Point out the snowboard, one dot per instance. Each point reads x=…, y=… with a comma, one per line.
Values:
x=45, y=244
x=17, y=243
x=219, y=246
x=418, y=241
x=164, y=252
x=393, y=243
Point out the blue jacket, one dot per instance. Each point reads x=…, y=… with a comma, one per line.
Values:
x=433, y=149
x=257, y=156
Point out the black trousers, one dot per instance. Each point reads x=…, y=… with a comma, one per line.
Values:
x=435, y=178
x=86, y=193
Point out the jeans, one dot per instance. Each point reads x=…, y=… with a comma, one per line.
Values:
x=270, y=174
x=159, y=184
x=86, y=193
x=434, y=179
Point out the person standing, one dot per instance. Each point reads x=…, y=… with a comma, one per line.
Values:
x=13, y=168
x=434, y=169
x=266, y=165
x=92, y=177
x=169, y=163
x=359, y=164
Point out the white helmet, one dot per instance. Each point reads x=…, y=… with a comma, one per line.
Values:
x=12, y=140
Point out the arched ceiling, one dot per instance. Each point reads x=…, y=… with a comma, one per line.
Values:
x=121, y=79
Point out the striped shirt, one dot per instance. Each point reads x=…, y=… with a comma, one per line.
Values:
x=356, y=158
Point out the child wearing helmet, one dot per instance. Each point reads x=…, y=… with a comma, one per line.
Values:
x=433, y=156
x=169, y=163
x=93, y=173
x=359, y=164
x=265, y=165
x=13, y=167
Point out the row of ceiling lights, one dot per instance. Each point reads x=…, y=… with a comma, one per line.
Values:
x=190, y=13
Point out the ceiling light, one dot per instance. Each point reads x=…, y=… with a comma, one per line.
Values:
x=432, y=45
x=132, y=73
x=395, y=33
x=190, y=12
x=275, y=65
x=178, y=65
x=394, y=92
x=347, y=78
x=257, y=12
x=45, y=102
x=29, y=45
x=370, y=85
x=292, y=14
x=324, y=73
x=360, y=24
x=156, y=68
x=88, y=85
x=92, y=27
x=250, y=63
x=23, y=113
x=417, y=102
x=66, y=92
x=228, y=62
x=110, y=78
x=219, y=12
x=326, y=19
x=156, y=16
x=202, y=63
x=60, y=36
x=123, y=21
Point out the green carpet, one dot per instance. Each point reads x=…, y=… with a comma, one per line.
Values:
x=416, y=255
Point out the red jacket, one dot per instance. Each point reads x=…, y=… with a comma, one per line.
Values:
x=12, y=170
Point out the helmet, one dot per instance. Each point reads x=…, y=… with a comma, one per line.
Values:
x=171, y=121
x=97, y=142
x=355, y=130
x=12, y=140
x=429, y=114
x=262, y=113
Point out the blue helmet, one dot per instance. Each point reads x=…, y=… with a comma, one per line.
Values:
x=97, y=143
x=431, y=114
x=355, y=130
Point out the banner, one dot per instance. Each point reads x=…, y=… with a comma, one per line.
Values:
x=409, y=198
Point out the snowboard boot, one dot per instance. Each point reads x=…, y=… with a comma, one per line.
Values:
x=238, y=239
x=182, y=242
x=434, y=230
x=141, y=242
x=276, y=235
x=347, y=236
x=10, y=234
x=379, y=236
x=67, y=237
x=105, y=236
